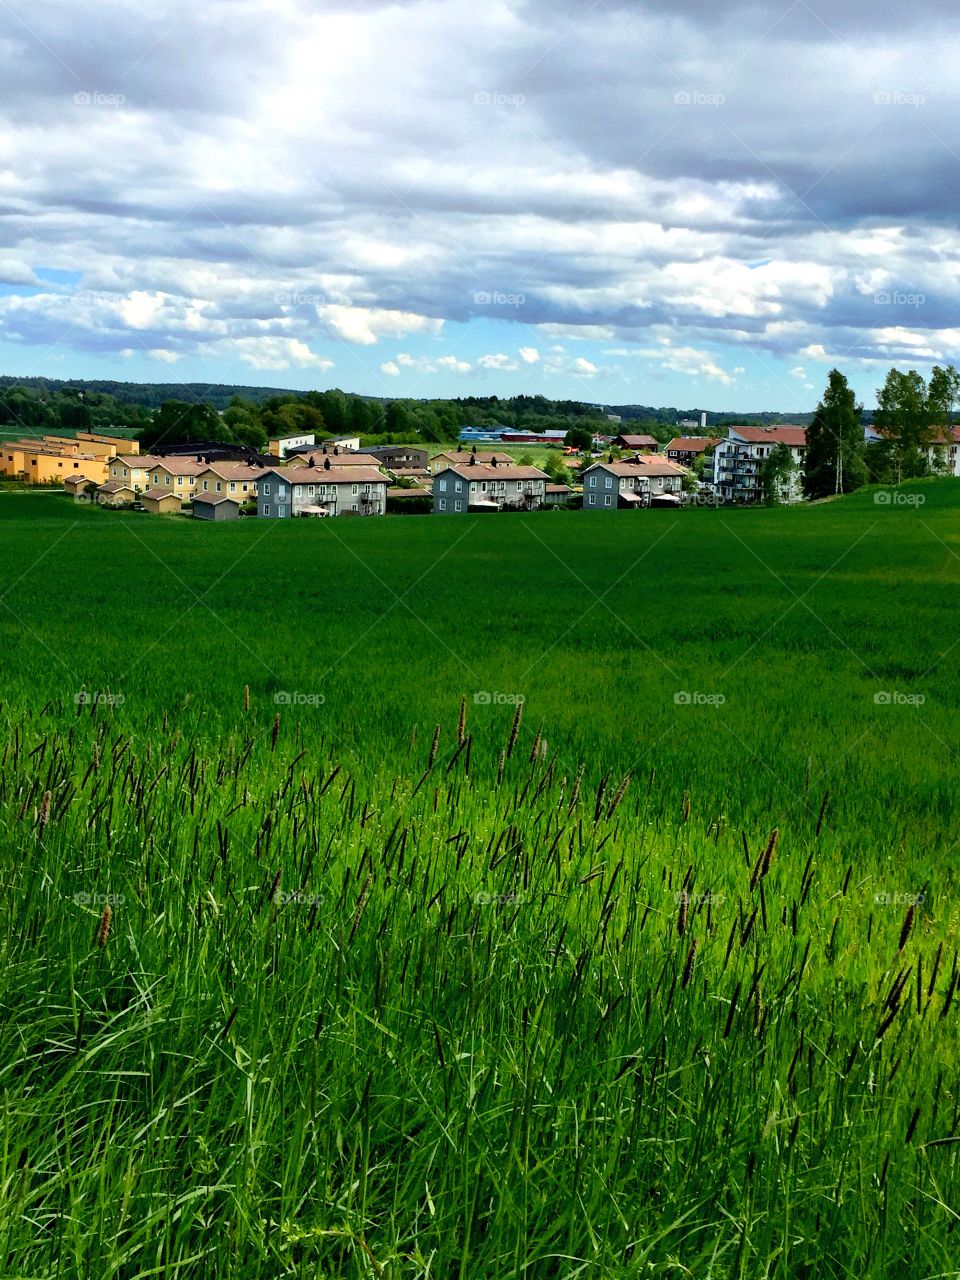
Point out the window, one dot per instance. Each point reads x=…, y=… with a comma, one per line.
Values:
x=233, y=486
x=443, y=486
x=458, y=486
x=219, y=487
x=311, y=489
x=204, y=486
x=458, y=505
x=593, y=482
x=266, y=486
x=591, y=500
x=281, y=512
x=166, y=481
x=441, y=504
x=606, y=501
x=266, y=508
x=356, y=490
x=180, y=481
x=609, y=482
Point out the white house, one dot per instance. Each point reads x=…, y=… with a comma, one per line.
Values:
x=737, y=461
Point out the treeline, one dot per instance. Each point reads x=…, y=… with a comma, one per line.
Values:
x=911, y=438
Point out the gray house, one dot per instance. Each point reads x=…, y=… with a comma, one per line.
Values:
x=607, y=485
x=215, y=506
x=497, y=487
x=321, y=491
x=402, y=457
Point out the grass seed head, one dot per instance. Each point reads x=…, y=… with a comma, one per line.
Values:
x=906, y=928
x=103, y=932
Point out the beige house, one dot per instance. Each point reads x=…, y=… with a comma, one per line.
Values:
x=80, y=488
x=161, y=502
x=235, y=479
x=134, y=469
x=115, y=494
x=179, y=475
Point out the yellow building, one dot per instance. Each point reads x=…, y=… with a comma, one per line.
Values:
x=158, y=502
x=119, y=446
x=54, y=468
x=134, y=469
x=177, y=474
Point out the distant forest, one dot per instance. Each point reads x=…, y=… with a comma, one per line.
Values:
x=184, y=412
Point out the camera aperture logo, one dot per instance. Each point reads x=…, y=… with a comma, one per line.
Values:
x=486, y=698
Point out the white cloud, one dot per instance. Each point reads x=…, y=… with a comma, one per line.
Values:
x=388, y=367
x=367, y=325
x=499, y=361
x=529, y=355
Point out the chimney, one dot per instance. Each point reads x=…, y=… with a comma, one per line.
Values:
x=493, y=461
x=326, y=464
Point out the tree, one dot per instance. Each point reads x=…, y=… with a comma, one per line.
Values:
x=579, y=438
x=176, y=422
x=835, y=456
x=905, y=417
x=943, y=393
x=776, y=474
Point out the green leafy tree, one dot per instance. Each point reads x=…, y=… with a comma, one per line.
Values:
x=176, y=422
x=905, y=416
x=579, y=438
x=834, y=461
x=776, y=475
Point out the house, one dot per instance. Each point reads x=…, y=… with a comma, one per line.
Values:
x=557, y=495
x=160, y=502
x=42, y=463
x=475, y=486
x=215, y=506
x=236, y=479
x=687, y=449
x=115, y=494
x=134, y=469
x=178, y=474
x=738, y=461
x=643, y=444
x=119, y=444
x=399, y=458
x=608, y=485
x=460, y=457
x=284, y=492
x=944, y=452
x=282, y=447
x=80, y=488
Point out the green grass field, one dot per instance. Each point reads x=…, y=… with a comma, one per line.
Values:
x=656, y=977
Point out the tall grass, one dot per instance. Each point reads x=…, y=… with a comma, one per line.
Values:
x=286, y=991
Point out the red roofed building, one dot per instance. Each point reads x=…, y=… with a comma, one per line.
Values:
x=738, y=461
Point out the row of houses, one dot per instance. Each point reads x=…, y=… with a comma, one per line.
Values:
x=52, y=459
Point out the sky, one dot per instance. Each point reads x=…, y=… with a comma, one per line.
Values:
x=686, y=202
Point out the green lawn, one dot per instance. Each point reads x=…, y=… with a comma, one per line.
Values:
x=656, y=980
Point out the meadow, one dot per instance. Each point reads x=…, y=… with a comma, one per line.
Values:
x=552, y=896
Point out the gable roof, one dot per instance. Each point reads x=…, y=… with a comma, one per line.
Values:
x=143, y=461
x=157, y=494
x=639, y=469
x=211, y=499
x=691, y=444
x=233, y=471
x=180, y=466
x=477, y=471
x=637, y=442
x=115, y=486
x=796, y=437
x=325, y=475
x=464, y=455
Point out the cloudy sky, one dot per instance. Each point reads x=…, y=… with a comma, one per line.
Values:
x=692, y=202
